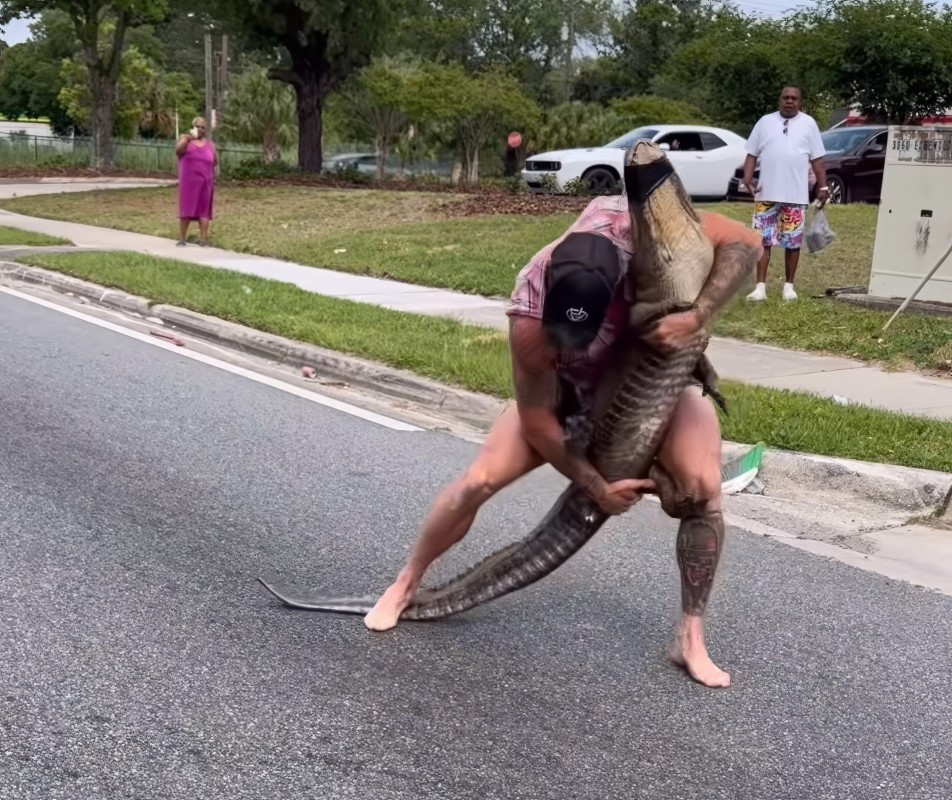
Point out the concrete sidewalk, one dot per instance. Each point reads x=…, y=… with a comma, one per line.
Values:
x=761, y=365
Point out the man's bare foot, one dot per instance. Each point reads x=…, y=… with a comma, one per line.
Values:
x=689, y=652
x=386, y=612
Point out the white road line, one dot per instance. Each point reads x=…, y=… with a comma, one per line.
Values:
x=306, y=394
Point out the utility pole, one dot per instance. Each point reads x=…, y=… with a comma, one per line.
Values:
x=209, y=84
x=222, y=82
x=224, y=64
x=570, y=47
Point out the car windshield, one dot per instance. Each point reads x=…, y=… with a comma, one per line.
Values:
x=842, y=140
x=626, y=141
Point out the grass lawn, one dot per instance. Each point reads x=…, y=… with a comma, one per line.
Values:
x=406, y=236
x=14, y=236
x=477, y=358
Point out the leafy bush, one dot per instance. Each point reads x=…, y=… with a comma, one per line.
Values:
x=578, y=187
x=549, y=184
x=352, y=174
x=574, y=125
x=590, y=124
x=251, y=169
x=655, y=110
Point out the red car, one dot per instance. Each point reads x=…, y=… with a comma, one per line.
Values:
x=855, y=158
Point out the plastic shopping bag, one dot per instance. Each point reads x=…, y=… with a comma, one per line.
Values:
x=819, y=232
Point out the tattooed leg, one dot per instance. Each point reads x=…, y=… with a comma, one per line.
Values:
x=699, y=548
x=700, y=538
x=687, y=478
x=699, y=544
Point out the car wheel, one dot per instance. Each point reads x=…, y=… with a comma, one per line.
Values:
x=839, y=192
x=601, y=181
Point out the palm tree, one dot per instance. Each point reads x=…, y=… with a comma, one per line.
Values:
x=259, y=110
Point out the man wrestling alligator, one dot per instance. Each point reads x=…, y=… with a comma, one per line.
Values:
x=571, y=306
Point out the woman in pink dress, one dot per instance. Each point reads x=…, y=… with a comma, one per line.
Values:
x=198, y=160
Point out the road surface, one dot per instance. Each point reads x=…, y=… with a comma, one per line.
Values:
x=142, y=493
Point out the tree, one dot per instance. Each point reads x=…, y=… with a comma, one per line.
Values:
x=376, y=101
x=533, y=40
x=78, y=101
x=30, y=72
x=166, y=97
x=892, y=58
x=735, y=71
x=600, y=79
x=260, y=111
x=322, y=43
x=102, y=55
x=650, y=32
x=469, y=111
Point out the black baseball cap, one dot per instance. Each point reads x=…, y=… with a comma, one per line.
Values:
x=580, y=285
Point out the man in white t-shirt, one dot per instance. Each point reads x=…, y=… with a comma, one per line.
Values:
x=788, y=144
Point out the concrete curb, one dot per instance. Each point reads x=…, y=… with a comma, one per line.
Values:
x=907, y=489
x=475, y=409
x=64, y=284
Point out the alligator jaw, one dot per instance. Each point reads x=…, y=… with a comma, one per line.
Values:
x=646, y=168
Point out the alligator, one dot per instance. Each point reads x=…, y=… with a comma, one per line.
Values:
x=631, y=414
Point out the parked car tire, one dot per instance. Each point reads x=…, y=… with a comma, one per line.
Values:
x=839, y=191
x=601, y=180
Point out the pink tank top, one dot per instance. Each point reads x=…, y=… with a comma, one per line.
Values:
x=607, y=216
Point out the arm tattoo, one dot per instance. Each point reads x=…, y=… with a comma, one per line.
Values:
x=733, y=264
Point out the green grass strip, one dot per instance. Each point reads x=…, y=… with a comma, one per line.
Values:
x=14, y=236
x=477, y=358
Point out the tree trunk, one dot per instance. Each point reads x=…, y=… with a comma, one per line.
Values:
x=382, y=145
x=469, y=158
x=272, y=150
x=104, y=96
x=474, y=166
x=310, y=108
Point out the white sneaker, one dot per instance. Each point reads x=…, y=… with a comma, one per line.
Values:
x=759, y=294
x=788, y=293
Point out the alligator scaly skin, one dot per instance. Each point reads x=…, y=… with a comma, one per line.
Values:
x=674, y=259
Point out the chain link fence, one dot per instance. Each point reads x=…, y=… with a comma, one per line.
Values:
x=22, y=149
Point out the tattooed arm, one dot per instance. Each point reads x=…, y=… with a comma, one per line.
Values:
x=537, y=400
x=736, y=250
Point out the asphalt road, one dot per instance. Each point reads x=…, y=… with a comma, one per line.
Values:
x=142, y=493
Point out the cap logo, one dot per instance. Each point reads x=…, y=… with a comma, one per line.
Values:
x=576, y=315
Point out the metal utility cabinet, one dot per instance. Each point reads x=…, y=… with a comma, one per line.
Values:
x=915, y=215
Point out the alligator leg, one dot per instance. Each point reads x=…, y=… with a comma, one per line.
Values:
x=705, y=375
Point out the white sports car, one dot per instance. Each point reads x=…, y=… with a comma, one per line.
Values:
x=705, y=159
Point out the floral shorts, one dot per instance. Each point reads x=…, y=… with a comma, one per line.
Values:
x=780, y=224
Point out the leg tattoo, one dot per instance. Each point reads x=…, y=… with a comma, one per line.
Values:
x=699, y=548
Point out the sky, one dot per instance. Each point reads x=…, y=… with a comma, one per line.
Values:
x=16, y=32
x=770, y=8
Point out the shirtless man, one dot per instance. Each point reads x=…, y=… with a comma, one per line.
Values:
x=568, y=308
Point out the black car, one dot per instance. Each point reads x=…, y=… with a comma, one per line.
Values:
x=855, y=158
